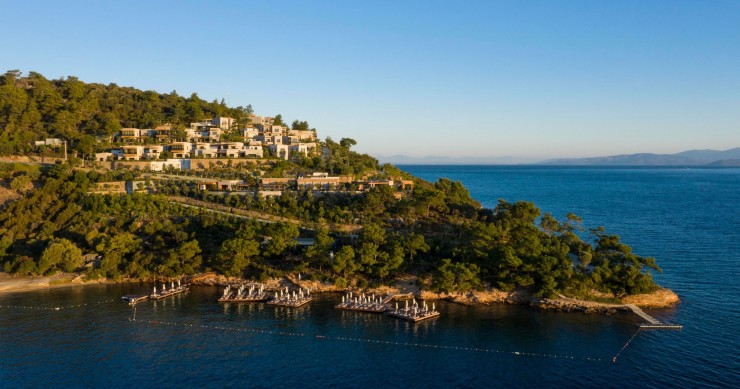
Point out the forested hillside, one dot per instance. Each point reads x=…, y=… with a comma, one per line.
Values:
x=33, y=108
x=435, y=230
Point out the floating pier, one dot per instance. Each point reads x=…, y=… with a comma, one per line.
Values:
x=255, y=293
x=132, y=299
x=661, y=326
x=652, y=323
x=414, y=313
x=165, y=292
x=362, y=303
x=286, y=298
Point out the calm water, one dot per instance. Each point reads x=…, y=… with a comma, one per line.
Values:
x=687, y=218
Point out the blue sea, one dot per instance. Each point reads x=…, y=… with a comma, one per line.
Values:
x=688, y=219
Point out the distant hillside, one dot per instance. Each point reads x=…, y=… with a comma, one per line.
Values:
x=726, y=162
x=685, y=158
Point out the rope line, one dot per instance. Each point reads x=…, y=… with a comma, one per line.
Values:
x=443, y=347
x=55, y=308
x=363, y=340
x=220, y=328
x=614, y=360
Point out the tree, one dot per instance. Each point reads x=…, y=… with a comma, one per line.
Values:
x=318, y=253
x=456, y=277
x=344, y=262
x=236, y=254
x=413, y=244
x=61, y=254
x=280, y=238
x=300, y=126
x=114, y=250
x=20, y=183
x=347, y=143
x=278, y=120
x=185, y=259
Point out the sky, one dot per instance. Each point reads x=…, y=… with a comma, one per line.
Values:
x=498, y=80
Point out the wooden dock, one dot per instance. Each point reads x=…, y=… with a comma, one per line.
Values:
x=661, y=326
x=362, y=303
x=413, y=317
x=132, y=299
x=286, y=298
x=292, y=303
x=414, y=313
x=240, y=294
x=167, y=292
x=652, y=323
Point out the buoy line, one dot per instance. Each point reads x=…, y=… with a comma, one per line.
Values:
x=55, y=308
x=363, y=340
x=220, y=328
x=625, y=345
x=458, y=348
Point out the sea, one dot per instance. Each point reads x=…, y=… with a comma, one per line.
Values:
x=687, y=218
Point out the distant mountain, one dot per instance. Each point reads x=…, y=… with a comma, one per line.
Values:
x=439, y=160
x=685, y=158
x=726, y=162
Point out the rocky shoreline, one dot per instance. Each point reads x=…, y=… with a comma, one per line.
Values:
x=661, y=298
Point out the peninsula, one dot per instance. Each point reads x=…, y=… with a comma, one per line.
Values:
x=113, y=182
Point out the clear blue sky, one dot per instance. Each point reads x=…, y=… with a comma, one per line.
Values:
x=528, y=79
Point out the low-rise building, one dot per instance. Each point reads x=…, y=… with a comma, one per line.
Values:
x=163, y=133
x=322, y=182
x=49, y=142
x=279, y=150
x=103, y=157
x=303, y=135
x=302, y=149
x=153, y=151
x=130, y=135
x=276, y=184
x=182, y=149
x=132, y=152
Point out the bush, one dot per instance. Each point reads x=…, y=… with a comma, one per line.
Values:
x=341, y=282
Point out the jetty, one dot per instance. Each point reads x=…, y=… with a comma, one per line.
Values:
x=362, y=303
x=414, y=313
x=255, y=293
x=652, y=323
x=286, y=298
x=167, y=292
x=132, y=299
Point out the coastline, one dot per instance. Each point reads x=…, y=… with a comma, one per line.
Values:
x=405, y=286
x=12, y=284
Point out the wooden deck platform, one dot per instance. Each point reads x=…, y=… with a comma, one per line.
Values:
x=294, y=299
x=291, y=303
x=362, y=303
x=167, y=292
x=652, y=323
x=414, y=318
x=242, y=294
x=257, y=299
x=134, y=298
x=371, y=309
x=413, y=313
x=661, y=326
